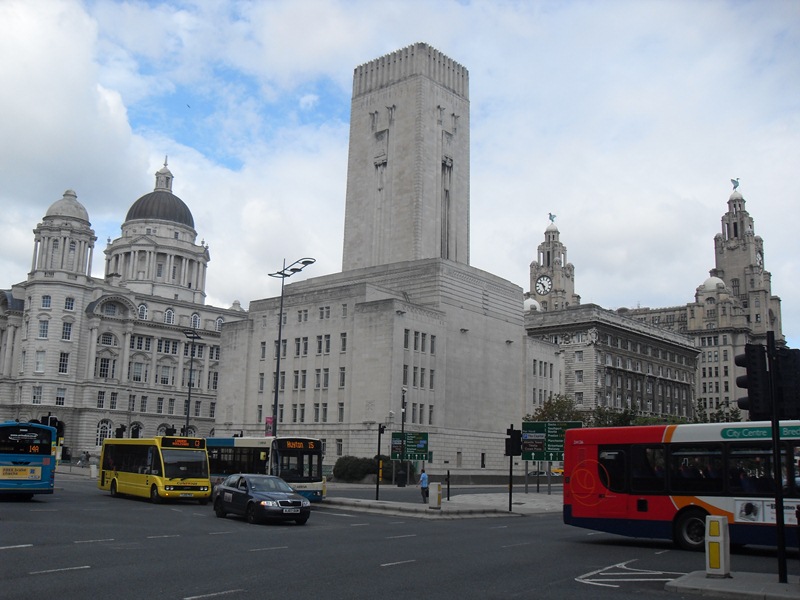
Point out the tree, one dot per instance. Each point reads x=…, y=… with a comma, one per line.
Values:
x=556, y=408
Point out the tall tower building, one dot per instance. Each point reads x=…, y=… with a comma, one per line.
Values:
x=408, y=166
x=552, y=277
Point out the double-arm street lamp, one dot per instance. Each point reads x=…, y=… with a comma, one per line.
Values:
x=286, y=271
x=194, y=336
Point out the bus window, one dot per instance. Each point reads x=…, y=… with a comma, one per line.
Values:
x=750, y=469
x=611, y=468
x=696, y=469
x=648, y=472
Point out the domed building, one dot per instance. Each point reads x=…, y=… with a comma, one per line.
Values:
x=117, y=355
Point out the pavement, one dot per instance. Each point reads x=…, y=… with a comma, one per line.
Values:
x=739, y=586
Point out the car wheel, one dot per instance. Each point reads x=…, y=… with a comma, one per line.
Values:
x=301, y=520
x=690, y=529
x=251, y=513
x=218, y=510
x=114, y=489
x=154, y=497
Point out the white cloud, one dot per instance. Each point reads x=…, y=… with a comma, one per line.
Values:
x=626, y=119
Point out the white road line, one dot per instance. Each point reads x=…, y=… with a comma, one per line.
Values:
x=219, y=532
x=397, y=537
x=59, y=570
x=394, y=564
x=17, y=546
x=226, y=592
x=273, y=548
x=358, y=524
x=155, y=537
x=92, y=541
x=516, y=545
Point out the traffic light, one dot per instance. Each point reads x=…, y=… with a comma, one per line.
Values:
x=513, y=442
x=787, y=387
x=758, y=401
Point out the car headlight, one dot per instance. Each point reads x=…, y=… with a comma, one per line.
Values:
x=268, y=503
x=305, y=502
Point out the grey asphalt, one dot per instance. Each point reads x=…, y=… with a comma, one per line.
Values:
x=739, y=586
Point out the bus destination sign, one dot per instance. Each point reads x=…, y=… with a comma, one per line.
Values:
x=183, y=442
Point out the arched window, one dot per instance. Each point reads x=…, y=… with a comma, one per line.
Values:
x=195, y=321
x=143, y=312
x=169, y=316
x=104, y=428
x=218, y=326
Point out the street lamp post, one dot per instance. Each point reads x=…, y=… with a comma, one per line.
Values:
x=286, y=271
x=194, y=336
x=403, y=435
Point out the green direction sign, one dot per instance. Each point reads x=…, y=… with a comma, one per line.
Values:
x=416, y=446
x=545, y=440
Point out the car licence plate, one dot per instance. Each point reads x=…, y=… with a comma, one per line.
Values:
x=186, y=495
x=291, y=510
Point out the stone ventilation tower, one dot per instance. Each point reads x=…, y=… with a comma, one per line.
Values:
x=739, y=260
x=157, y=254
x=408, y=165
x=552, y=277
x=64, y=240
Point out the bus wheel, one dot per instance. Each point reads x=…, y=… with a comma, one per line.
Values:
x=114, y=489
x=251, y=513
x=690, y=529
x=154, y=497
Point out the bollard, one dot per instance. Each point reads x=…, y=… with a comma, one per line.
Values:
x=718, y=547
x=435, y=496
x=93, y=471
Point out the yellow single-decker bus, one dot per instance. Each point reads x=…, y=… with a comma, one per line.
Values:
x=158, y=468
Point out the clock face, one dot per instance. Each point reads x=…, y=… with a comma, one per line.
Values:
x=543, y=285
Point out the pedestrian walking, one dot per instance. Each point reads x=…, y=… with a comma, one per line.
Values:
x=423, y=485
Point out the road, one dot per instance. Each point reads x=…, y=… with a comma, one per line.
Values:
x=81, y=543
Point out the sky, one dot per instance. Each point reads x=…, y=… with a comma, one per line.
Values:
x=626, y=119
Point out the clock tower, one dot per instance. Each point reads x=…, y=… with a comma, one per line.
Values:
x=739, y=260
x=552, y=277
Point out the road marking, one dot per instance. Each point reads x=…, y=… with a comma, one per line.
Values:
x=332, y=514
x=499, y=527
x=358, y=524
x=515, y=545
x=226, y=592
x=18, y=546
x=219, y=532
x=155, y=537
x=625, y=573
x=273, y=548
x=394, y=564
x=397, y=537
x=59, y=570
x=92, y=541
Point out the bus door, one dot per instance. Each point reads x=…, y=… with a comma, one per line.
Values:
x=611, y=496
x=648, y=481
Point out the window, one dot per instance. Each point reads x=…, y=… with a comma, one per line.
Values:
x=430, y=378
x=325, y=378
x=302, y=315
x=36, y=394
x=212, y=410
x=101, y=399
x=160, y=406
x=339, y=447
x=579, y=356
x=44, y=326
x=424, y=342
x=142, y=312
x=169, y=316
x=66, y=331
x=46, y=301
x=344, y=311
x=416, y=340
x=218, y=324
x=263, y=350
x=69, y=303
x=63, y=363
x=213, y=380
x=143, y=404
x=324, y=312
x=171, y=406
x=342, y=376
x=110, y=309
x=159, y=270
x=433, y=344
x=103, y=431
x=114, y=396
x=343, y=342
x=327, y=340
x=406, y=334
x=319, y=344
x=578, y=376
x=107, y=339
x=61, y=396
x=39, y=364
x=340, y=411
x=195, y=321
x=305, y=346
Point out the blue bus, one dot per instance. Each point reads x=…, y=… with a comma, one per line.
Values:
x=296, y=460
x=27, y=459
